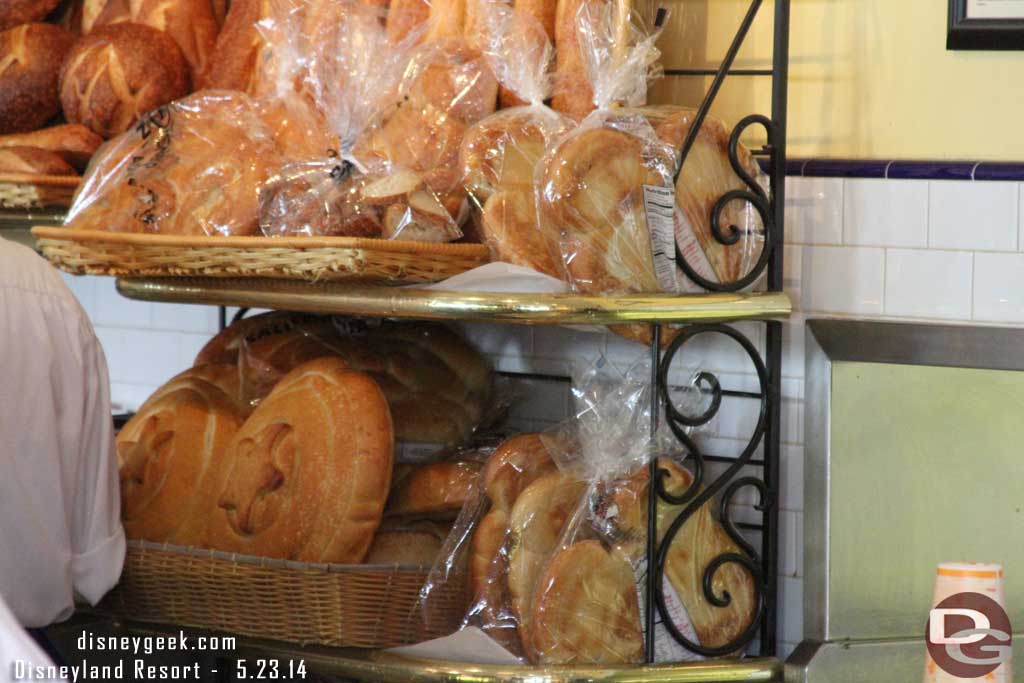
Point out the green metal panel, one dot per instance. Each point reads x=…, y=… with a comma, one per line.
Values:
x=927, y=465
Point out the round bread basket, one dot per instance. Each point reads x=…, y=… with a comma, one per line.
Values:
x=97, y=252
x=365, y=606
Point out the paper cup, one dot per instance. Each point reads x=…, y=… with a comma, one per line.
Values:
x=968, y=596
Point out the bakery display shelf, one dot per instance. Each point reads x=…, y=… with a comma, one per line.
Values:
x=30, y=191
x=16, y=223
x=430, y=304
x=378, y=666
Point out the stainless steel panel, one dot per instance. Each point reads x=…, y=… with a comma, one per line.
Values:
x=870, y=661
x=908, y=464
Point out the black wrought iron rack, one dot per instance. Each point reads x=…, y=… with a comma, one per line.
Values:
x=701, y=314
x=769, y=205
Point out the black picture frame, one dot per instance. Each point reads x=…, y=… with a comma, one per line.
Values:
x=982, y=34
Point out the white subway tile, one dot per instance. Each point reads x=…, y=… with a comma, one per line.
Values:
x=793, y=334
x=792, y=427
x=717, y=352
x=791, y=474
x=814, y=210
x=792, y=262
x=885, y=213
x=791, y=609
x=973, y=215
x=126, y=397
x=843, y=280
x=1020, y=218
x=140, y=356
x=928, y=284
x=790, y=539
x=84, y=289
x=500, y=340
x=189, y=345
x=999, y=287
x=185, y=318
x=580, y=346
x=113, y=310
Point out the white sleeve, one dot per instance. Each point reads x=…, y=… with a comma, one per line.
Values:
x=21, y=658
x=97, y=537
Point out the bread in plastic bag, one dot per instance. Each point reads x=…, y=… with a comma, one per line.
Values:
x=411, y=149
x=499, y=154
x=602, y=188
x=439, y=388
x=193, y=167
x=706, y=177
x=329, y=75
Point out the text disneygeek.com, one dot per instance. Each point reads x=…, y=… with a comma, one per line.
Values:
x=124, y=659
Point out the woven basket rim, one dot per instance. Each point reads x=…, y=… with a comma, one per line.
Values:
x=299, y=243
x=271, y=562
x=35, y=179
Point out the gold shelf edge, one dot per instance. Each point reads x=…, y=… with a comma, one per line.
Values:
x=428, y=304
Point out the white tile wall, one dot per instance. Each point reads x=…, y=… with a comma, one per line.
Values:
x=855, y=248
x=885, y=213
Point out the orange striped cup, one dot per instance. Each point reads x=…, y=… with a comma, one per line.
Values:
x=968, y=597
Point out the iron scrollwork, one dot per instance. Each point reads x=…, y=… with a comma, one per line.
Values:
x=756, y=196
x=699, y=494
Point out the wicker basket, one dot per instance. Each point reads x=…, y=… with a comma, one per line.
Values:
x=97, y=252
x=25, y=191
x=366, y=606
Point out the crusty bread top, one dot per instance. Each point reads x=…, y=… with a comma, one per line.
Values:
x=30, y=63
x=72, y=141
x=436, y=491
x=16, y=12
x=34, y=161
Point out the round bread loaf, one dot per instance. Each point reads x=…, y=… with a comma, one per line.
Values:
x=236, y=54
x=190, y=23
x=535, y=525
x=434, y=491
x=171, y=455
x=73, y=142
x=16, y=12
x=30, y=62
x=117, y=73
x=309, y=470
x=33, y=160
x=414, y=544
x=586, y=610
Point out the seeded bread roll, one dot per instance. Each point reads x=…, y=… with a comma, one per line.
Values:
x=191, y=23
x=30, y=63
x=118, y=73
x=16, y=12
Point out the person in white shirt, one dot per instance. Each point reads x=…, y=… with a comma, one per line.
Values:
x=21, y=658
x=60, y=529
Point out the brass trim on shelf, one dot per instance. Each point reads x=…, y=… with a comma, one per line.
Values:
x=429, y=304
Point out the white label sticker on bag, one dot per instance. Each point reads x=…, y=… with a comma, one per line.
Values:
x=692, y=252
x=659, y=206
x=666, y=649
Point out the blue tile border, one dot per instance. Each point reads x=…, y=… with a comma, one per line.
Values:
x=903, y=169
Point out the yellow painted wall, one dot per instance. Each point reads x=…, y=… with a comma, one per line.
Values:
x=869, y=78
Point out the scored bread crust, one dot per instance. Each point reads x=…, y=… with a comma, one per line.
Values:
x=118, y=73
x=33, y=160
x=535, y=524
x=587, y=610
x=514, y=465
x=310, y=469
x=592, y=187
x=699, y=541
x=30, y=63
x=190, y=23
x=72, y=141
x=171, y=456
x=224, y=376
x=17, y=12
x=434, y=491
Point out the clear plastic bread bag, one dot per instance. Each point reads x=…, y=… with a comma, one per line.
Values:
x=605, y=191
x=192, y=167
x=411, y=148
x=327, y=68
x=499, y=154
x=704, y=182
x=597, y=572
